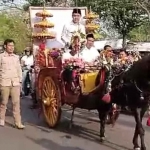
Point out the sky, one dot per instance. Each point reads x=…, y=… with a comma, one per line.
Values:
x=19, y=2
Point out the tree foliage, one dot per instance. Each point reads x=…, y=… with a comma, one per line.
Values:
x=47, y=2
x=32, y=3
x=123, y=14
x=145, y=5
x=141, y=34
x=13, y=27
x=51, y=3
x=35, y=2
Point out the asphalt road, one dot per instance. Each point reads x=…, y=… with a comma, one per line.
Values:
x=83, y=136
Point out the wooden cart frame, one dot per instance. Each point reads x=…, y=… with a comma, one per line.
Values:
x=48, y=89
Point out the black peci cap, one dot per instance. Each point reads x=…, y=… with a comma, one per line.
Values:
x=76, y=11
x=90, y=36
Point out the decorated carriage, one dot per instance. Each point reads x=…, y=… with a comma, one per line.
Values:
x=53, y=91
x=51, y=88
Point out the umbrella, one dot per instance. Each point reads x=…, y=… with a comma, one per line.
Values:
x=54, y=44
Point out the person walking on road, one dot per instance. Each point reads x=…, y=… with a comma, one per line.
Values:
x=10, y=83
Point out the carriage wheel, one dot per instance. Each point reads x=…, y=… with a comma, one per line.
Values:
x=51, y=102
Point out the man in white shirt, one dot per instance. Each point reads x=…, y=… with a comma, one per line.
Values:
x=90, y=54
x=73, y=26
x=26, y=61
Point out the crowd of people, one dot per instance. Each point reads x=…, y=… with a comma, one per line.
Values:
x=84, y=48
x=90, y=55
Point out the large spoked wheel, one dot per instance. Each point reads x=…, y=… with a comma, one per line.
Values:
x=51, y=101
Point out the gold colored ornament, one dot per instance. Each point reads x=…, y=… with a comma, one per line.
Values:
x=44, y=13
x=78, y=34
x=44, y=24
x=92, y=27
x=91, y=15
x=91, y=24
x=43, y=35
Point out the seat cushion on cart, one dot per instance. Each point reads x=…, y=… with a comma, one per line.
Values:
x=87, y=81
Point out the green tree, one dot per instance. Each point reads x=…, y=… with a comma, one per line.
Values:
x=51, y=3
x=141, y=33
x=32, y=3
x=145, y=5
x=123, y=14
x=35, y=2
x=13, y=27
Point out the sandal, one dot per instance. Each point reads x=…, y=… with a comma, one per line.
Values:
x=19, y=126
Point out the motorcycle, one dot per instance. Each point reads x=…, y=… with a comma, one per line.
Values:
x=27, y=82
x=27, y=85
